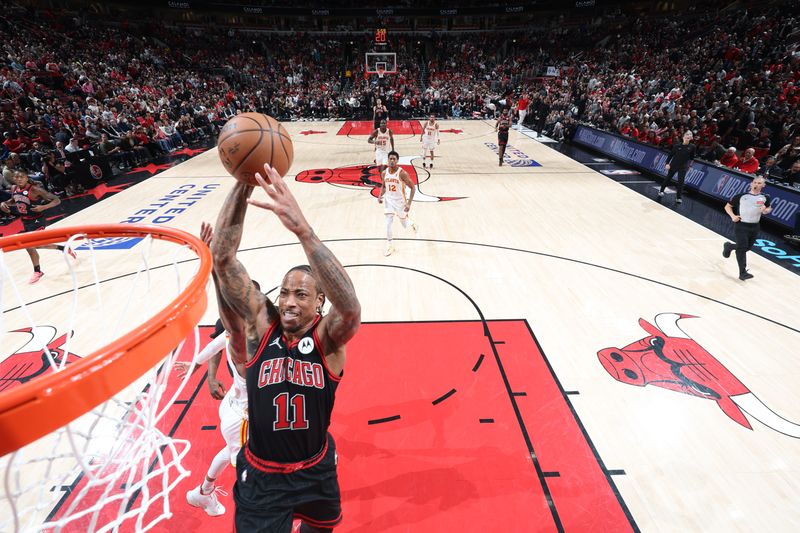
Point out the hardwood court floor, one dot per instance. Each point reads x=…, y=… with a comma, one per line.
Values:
x=480, y=392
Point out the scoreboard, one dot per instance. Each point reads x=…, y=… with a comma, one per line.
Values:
x=381, y=37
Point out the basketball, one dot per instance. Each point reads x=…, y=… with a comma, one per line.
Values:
x=249, y=140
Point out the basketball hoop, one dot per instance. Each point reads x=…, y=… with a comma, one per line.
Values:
x=97, y=418
x=380, y=63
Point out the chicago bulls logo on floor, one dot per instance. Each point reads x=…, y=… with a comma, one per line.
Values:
x=670, y=359
x=31, y=359
x=368, y=177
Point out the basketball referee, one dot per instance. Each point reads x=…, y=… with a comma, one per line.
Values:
x=745, y=210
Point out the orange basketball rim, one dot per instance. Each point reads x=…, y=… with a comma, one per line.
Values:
x=44, y=404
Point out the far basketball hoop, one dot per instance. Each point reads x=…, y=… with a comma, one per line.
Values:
x=380, y=63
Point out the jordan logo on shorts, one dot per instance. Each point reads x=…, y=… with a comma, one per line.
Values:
x=244, y=476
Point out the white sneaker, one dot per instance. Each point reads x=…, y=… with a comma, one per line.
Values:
x=207, y=502
x=389, y=250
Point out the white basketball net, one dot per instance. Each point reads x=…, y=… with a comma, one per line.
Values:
x=115, y=466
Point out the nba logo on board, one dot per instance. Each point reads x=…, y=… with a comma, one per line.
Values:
x=721, y=182
x=112, y=243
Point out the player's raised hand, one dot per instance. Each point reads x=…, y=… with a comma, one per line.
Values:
x=283, y=204
x=181, y=368
x=206, y=233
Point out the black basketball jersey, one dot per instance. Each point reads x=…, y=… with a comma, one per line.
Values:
x=290, y=394
x=502, y=125
x=23, y=201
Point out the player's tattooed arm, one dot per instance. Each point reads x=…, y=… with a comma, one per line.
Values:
x=52, y=199
x=235, y=285
x=344, y=319
x=233, y=323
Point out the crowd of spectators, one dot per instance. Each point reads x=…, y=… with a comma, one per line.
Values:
x=729, y=77
x=72, y=82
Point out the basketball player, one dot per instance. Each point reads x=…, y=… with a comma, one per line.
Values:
x=501, y=127
x=30, y=201
x=429, y=138
x=382, y=138
x=232, y=417
x=745, y=210
x=294, y=360
x=379, y=114
x=394, y=182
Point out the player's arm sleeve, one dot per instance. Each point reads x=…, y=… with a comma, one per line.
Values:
x=211, y=349
x=671, y=155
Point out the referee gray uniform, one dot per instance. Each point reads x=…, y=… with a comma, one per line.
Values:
x=747, y=206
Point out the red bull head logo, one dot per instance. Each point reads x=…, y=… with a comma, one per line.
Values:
x=31, y=360
x=367, y=177
x=670, y=359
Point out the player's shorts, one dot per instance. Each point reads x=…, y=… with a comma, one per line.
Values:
x=33, y=224
x=502, y=138
x=428, y=145
x=394, y=206
x=267, y=500
x=381, y=157
x=233, y=424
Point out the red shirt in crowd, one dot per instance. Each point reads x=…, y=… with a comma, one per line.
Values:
x=729, y=160
x=747, y=165
x=15, y=145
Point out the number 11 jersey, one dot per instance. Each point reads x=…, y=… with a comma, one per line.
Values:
x=290, y=393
